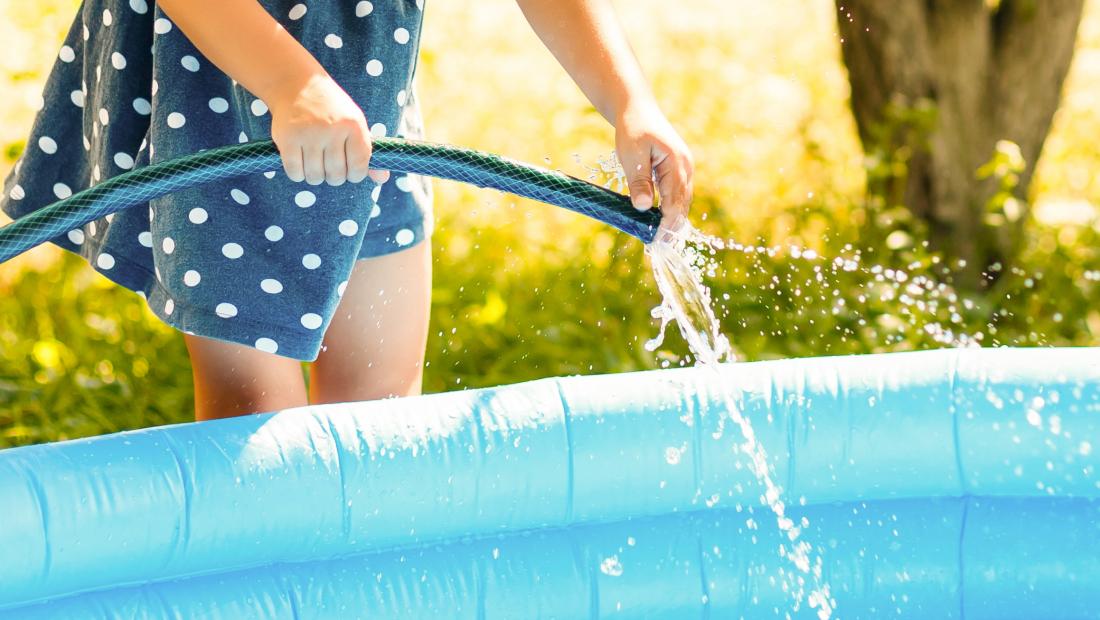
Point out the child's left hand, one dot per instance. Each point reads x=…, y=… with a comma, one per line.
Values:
x=648, y=147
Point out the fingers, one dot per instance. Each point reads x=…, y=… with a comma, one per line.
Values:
x=674, y=181
x=358, y=149
x=313, y=159
x=639, y=174
x=292, y=162
x=343, y=158
x=336, y=164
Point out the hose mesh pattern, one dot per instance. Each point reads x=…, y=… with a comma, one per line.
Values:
x=395, y=154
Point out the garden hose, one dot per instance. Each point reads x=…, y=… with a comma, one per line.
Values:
x=394, y=154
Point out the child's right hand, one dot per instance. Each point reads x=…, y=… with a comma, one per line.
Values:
x=322, y=134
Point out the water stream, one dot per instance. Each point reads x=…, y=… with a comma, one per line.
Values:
x=678, y=266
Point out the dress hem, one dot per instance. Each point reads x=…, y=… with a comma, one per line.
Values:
x=292, y=342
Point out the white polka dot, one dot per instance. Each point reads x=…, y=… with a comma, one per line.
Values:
x=124, y=161
x=271, y=285
x=142, y=106
x=242, y=138
x=401, y=36
x=267, y=345
x=402, y=97
x=66, y=54
x=86, y=33
x=77, y=97
x=348, y=228
x=139, y=6
x=176, y=120
x=76, y=236
x=107, y=19
x=109, y=217
x=305, y=198
x=47, y=144
x=118, y=61
x=363, y=9
x=340, y=289
x=61, y=190
x=311, y=261
x=156, y=86
x=91, y=228
x=334, y=41
x=375, y=193
x=145, y=238
x=198, y=215
x=232, y=250
x=378, y=130
x=105, y=261
x=162, y=26
x=192, y=278
x=87, y=144
x=297, y=11
x=239, y=197
x=375, y=211
x=311, y=320
x=374, y=68
x=190, y=63
x=17, y=192
x=226, y=310
x=259, y=108
x=103, y=116
x=273, y=233
x=168, y=244
x=219, y=105
x=270, y=174
x=169, y=306
x=403, y=183
x=404, y=236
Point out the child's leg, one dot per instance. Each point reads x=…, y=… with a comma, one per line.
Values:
x=374, y=345
x=232, y=379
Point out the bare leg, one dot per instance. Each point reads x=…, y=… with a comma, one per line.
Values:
x=374, y=346
x=233, y=379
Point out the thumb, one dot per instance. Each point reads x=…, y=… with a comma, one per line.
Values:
x=639, y=178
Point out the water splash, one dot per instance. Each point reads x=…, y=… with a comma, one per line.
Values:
x=678, y=267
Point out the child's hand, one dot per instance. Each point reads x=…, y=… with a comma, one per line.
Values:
x=322, y=134
x=648, y=146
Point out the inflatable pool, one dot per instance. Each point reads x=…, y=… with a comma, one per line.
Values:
x=941, y=484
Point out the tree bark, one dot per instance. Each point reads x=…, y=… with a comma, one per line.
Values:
x=992, y=70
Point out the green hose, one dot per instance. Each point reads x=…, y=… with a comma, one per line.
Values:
x=438, y=160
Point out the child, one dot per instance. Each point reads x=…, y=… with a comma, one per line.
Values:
x=263, y=271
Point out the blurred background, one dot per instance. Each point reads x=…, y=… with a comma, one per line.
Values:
x=958, y=145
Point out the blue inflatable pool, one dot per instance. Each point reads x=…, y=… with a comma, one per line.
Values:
x=940, y=484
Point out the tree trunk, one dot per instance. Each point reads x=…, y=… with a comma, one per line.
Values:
x=992, y=70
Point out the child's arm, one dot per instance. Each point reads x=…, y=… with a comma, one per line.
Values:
x=585, y=37
x=320, y=131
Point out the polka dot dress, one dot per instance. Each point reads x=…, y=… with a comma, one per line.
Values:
x=259, y=259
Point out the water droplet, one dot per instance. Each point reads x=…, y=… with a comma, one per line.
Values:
x=611, y=566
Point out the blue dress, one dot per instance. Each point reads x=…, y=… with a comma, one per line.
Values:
x=258, y=260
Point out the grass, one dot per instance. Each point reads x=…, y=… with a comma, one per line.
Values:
x=523, y=290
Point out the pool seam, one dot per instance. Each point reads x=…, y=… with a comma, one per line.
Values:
x=570, y=450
